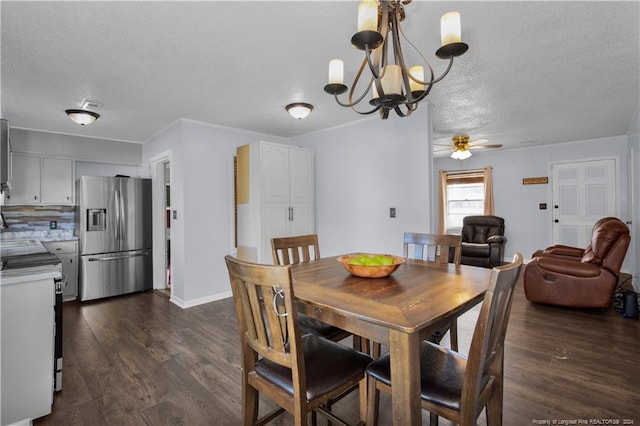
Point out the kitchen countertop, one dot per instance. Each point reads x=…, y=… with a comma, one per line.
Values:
x=43, y=236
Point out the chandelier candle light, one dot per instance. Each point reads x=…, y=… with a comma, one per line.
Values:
x=393, y=85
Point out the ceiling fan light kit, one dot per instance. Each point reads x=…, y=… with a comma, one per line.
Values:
x=462, y=145
x=460, y=154
x=393, y=85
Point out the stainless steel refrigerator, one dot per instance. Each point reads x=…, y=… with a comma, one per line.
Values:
x=113, y=223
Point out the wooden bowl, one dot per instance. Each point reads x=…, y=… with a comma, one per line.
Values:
x=370, y=271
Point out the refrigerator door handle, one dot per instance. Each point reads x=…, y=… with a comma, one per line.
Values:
x=127, y=256
x=121, y=218
x=117, y=201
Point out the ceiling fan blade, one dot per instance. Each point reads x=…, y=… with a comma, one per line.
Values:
x=485, y=146
x=479, y=141
x=443, y=149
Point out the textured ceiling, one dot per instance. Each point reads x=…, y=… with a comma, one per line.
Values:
x=535, y=71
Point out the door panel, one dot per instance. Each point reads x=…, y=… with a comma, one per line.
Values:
x=98, y=194
x=302, y=215
x=275, y=174
x=277, y=218
x=583, y=193
x=25, y=179
x=301, y=184
x=135, y=213
x=115, y=274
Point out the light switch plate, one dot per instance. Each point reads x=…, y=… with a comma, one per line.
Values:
x=392, y=212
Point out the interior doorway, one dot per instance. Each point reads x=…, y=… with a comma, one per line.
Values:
x=162, y=217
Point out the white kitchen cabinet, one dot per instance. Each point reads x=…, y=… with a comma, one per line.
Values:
x=67, y=252
x=41, y=180
x=275, y=196
x=25, y=180
x=57, y=181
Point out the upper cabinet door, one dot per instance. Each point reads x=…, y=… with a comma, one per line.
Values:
x=57, y=181
x=41, y=180
x=25, y=179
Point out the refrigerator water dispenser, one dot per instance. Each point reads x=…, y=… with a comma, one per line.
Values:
x=96, y=219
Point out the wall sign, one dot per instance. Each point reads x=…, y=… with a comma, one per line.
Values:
x=535, y=180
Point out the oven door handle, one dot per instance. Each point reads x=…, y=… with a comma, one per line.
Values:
x=61, y=283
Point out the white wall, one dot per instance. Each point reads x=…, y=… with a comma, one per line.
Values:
x=362, y=170
x=202, y=193
x=528, y=228
x=171, y=139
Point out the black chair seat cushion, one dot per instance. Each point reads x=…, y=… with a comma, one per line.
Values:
x=441, y=378
x=310, y=325
x=328, y=365
x=476, y=249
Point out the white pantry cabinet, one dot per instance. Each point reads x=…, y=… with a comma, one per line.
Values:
x=275, y=196
x=41, y=180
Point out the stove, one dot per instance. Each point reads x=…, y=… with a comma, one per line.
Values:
x=23, y=264
x=35, y=261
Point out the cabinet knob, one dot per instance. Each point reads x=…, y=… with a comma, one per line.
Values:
x=556, y=221
x=35, y=197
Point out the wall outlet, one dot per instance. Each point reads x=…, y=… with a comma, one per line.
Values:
x=53, y=224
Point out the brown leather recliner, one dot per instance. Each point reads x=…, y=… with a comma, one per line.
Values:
x=570, y=276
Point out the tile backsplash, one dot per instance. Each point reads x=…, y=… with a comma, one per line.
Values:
x=34, y=222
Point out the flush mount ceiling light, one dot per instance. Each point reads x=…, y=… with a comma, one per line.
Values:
x=299, y=110
x=393, y=85
x=82, y=117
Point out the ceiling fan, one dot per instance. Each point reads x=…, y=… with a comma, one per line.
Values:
x=462, y=145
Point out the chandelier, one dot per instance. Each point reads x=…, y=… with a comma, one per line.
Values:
x=392, y=84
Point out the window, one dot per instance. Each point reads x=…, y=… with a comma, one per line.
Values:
x=463, y=193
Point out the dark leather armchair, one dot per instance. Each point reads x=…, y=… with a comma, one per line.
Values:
x=483, y=241
x=580, y=278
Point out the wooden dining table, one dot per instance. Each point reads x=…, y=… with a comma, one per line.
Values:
x=398, y=311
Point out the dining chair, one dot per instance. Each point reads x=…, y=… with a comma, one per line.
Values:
x=436, y=248
x=294, y=250
x=455, y=386
x=298, y=372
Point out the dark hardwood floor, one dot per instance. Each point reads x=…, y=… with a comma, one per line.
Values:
x=140, y=360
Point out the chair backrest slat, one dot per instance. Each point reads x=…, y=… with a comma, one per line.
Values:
x=487, y=345
x=267, y=317
x=432, y=247
x=293, y=250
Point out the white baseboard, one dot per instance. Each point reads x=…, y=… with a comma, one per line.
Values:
x=184, y=304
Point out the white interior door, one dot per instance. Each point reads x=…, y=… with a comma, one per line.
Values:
x=583, y=192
